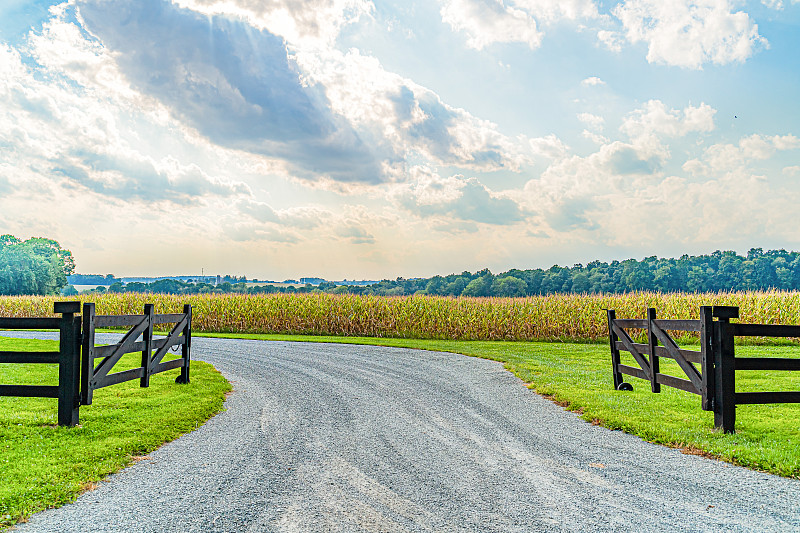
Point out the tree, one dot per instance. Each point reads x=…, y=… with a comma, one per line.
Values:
x=37, y=266
x=509, y=286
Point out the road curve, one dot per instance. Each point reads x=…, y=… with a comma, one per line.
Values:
x=331, y=437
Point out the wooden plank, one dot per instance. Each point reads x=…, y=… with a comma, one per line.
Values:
x=629, y=346
x=767, y=397
x=168, y=365
x=121, y=349
x=168, y=319
x=87, y=352
x=170, y=341
x=765, y=330
x=687, y=367
x=29, y=323
x=611, y=315
x=678, y=325
x=30, y=391
x=633, y=371
x=113, y=321
x=652, y=343
x=105, y=351
x=678, y=383
x=707, y=357
x=767, y=363
x=690, y=355
x=631, y=323
x=119, y=377
x=29, y=357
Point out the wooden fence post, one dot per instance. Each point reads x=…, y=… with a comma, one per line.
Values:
x=186, y=349
x=87, y=353
x=68, y=363
x=612, y=339
x=707, y=357
x=147, y=352
x=652, y=342
x=724, y=369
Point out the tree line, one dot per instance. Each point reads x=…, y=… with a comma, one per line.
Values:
x=37, y=266
x=719, y=271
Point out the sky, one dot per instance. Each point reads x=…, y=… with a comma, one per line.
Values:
x=358, y=139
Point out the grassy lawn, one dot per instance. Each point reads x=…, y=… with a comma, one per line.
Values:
x=43, y=465
x=578, y=376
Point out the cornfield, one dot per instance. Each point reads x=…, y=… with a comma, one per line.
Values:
x=545, y=318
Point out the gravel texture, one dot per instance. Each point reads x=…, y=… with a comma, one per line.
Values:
x=331, y=437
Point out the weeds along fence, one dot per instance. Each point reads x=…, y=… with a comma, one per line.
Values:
x=573, y=317
x=79, y=376
x=715, y=378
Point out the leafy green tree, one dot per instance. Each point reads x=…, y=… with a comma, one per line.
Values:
x=509, y=286
x=37, y=266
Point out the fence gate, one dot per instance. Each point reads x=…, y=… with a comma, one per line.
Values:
x=78, y=376
x=715, y=380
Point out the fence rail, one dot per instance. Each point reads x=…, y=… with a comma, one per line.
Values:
x=78, y=376
x=715, y=379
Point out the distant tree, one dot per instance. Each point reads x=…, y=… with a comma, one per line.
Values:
x=37, y=266
x=509, y=286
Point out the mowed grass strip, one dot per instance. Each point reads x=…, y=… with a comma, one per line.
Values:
x=43, y=465
x=578, y=377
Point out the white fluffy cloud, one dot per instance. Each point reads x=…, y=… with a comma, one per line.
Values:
x=592, y=82
x=489, y=22
x=655, y=119
x=687, y=33
x=724, y=157
x=310, y=23
x=486, y=22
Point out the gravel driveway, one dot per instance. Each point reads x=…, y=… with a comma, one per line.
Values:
x=324, y=437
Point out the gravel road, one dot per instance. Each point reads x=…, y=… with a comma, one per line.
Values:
x=323, y=437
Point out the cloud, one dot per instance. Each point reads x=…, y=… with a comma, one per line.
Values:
x=457, y=197
x=302, y=218
x=313, y=23
x=66, y=134
x=405, y=120
x=593, y=122
x=489, y=22
x=355, y=234
x=687, y=33
x=242, y=232
x=502, y=21
x=592, y=82
x=723, y=157
x=234, y=84
x=550, y=146
x=655, y=119
x=134, y=177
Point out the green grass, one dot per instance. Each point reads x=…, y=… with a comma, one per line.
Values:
x=578, y=376
x=43, y=465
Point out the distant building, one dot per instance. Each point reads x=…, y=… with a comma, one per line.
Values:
x=312, y=281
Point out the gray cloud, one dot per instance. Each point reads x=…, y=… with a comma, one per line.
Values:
x=474, y=203
x=434, y=130
x=626, y=160
x=356, y=235
x=571, y=214
x=233, y=83
x=131, y=178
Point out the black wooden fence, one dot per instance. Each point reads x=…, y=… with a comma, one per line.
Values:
x=78, y=375
x=715, y=380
